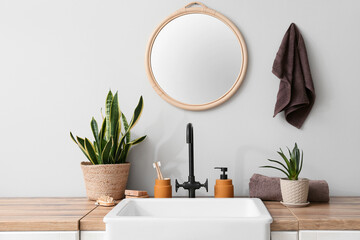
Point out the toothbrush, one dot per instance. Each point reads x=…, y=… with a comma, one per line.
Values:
x=157, y=170
x=157, y=165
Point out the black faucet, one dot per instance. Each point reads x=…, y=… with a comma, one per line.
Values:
x=191, y=185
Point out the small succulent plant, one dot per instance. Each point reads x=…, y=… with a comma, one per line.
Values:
x=111, y=144
x=293, y=164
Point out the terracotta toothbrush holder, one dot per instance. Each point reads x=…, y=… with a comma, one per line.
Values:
x=162, y=188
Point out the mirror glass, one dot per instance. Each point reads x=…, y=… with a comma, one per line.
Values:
x=196, y=59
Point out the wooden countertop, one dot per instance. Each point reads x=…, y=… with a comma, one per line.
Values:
x=94, y=220
x=72, y=214
x=43, y=214
x=341, y=213
x=283, y=219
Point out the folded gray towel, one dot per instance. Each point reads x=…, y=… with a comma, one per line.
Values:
x=265, y=188
x=268, y=188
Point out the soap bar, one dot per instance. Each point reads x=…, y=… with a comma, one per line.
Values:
x=135, y=193
x=144, y=196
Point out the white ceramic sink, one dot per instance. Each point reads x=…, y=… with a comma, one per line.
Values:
x=189, y=219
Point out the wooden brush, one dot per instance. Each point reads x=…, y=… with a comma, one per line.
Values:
x=105, y=201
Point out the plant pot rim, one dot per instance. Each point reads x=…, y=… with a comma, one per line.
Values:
x=89, y=164
x=300, y=179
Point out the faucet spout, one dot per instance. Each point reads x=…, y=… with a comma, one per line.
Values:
x=191, y=185
x=190, y=141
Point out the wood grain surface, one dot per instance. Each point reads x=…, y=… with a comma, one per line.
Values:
x=72, y=214
x=283, y=219
x=94, y=220
x=43, y=214
x=341, y=213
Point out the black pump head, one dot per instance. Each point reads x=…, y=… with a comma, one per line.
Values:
x=224, y=170
x=189, y=133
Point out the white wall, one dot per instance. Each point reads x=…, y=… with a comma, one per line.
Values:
x=59, y=58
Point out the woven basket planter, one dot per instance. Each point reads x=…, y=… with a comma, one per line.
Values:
x=294, y=191
x=105, y=179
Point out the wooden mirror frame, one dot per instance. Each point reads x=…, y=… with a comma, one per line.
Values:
x=202, y=10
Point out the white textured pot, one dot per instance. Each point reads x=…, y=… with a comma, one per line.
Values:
x=294, y=191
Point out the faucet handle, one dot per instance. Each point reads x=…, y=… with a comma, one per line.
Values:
x=177, y=185
x=205, y=185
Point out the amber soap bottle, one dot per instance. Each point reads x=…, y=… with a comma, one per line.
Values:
x=223, y=187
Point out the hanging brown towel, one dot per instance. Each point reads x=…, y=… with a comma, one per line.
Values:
x=296, y=94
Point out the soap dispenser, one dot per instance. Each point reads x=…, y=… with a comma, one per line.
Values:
x=223, y=187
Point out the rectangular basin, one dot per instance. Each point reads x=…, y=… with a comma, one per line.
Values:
x=189, y=219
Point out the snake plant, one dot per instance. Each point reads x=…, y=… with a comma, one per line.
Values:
x=112, y=142
x=293, y=164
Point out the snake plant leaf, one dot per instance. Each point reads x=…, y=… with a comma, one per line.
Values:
x=86, y=154
x=126, y=127
x=277, y=169
x=125, y=150
x=72, y=137
x=102, y=134
x=115, y=139
x=134, y=119
x=102, y=115
x=118, y=153
x=271, y=160
x=98, y=153
x=81, y=146
x=111, y=145
x=111, y=160
x=90, y=149
x=114, y=116
x=102, y=130
x=137, y=113
x=136, y=141
x=122, y=141
x=95, y=130
x=103, y=143
x=124, y=153
x=106, y=152
x=81, y=141
x=120, y=149
x=108, y=102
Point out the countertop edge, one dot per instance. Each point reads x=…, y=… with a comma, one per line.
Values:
x=32, y=214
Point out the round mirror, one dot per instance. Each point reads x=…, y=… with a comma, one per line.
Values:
x=196, y=59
